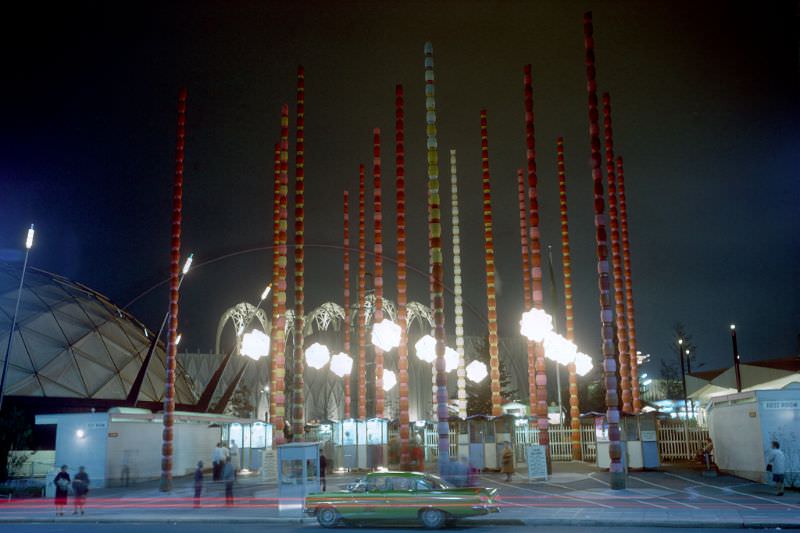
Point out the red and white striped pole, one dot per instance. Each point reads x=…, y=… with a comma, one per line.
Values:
x=347, y=319
x=377, y=315
x=174, y=281
x=362, y=295
x=298, y=400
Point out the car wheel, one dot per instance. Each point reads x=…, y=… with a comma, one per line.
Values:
x=432, y=518
x=328, y=517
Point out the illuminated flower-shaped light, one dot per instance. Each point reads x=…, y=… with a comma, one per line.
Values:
x=535, y=324
x=317, y=355
x=476, y=371
x=583, y=364
x=450, y=359
x=559, y=349
x=341, y=364
x=386, y=335
x=255, y=344
x=426, y=348
x=389, y=380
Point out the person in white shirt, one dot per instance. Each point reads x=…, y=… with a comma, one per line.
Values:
x=217, y=461
x=776, y=463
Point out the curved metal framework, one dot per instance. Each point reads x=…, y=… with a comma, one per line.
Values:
x=241, y=315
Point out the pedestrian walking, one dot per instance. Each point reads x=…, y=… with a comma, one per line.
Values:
x=217, y=462
x=198, y=484
x=80, y=487
x=323, y=467
x=62, y=482
x=776, y=463
x=228, y=476
x=507, y=461
x=234, y=451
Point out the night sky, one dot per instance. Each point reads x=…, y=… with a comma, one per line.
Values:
x=705, y=108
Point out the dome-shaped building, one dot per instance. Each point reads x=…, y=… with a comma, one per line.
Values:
x=73, y=347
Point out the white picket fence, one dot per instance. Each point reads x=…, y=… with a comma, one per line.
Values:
x=678, y=441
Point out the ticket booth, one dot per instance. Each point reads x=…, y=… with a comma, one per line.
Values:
x=601, y=436
x=481, y=442
x=462, y=434
x=648, y=441
x=247, y=443
x=377, y=440
x=350, y=439
x=298, y=476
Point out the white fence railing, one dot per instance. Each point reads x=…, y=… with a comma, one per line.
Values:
x=678, y=441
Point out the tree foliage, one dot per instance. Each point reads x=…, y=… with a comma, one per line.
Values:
x=15, y=433
x=479, y=395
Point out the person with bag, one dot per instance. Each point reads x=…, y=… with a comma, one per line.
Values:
x=80, y=487
x=507, y=461
x=62, y=482
x=776, y=464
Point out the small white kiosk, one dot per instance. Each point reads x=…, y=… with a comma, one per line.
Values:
x=298, y=475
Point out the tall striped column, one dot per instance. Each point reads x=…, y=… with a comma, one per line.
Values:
x=174, y=281
x=574, y=411
x=458, y=300
x=536, y=262
x=435, y=243
x=526, y=281
x=276, y=213
x=279, y=354
x=626, y=259
x=617, y=476
x=378, y=223
x=616, y=262
x=402, y=286
x=298, y=400
x=491, y=297
x=347, y=319
x=362, y=295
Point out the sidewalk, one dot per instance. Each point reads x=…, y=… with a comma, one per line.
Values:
x=575, y=495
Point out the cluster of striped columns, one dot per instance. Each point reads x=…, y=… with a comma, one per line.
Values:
x=346, y=323
x=377, y=315
x=626, y=260
x=616, y=261
x=298, y=400
x=174, y=281
x=574, y=411
x=435, y=243
x=536, y=262
x=402, y=298
x=617, y=474
x=458, y=305
x=491, y=297
x=362, y=294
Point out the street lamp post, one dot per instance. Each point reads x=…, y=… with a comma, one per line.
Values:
x=683, y=378
x=28, y=245
x=736, y=359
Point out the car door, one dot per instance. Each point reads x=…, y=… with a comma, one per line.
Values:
x=399, y=499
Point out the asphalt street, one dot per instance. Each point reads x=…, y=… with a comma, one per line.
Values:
x=257, y=528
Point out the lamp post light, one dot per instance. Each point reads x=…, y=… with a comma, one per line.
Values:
x=28, y=246
x=683, y=378
x=736, y=359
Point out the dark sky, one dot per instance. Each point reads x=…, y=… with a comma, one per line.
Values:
x=705, y=101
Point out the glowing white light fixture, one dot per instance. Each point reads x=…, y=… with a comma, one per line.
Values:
x=266, y=292
x=80, y=433
x=535, y=324
x=317, y=355
x=647, y=382
x=644, y=375
x=389, y=380
x=29, y=239
x=426, y=349
x=188, y=264
x=255, y=344
x=583, y=364
x=386, y=335
x=476, y=371
x=559, y=349
x=178, y=339
x=450, y=359
x=341, y=364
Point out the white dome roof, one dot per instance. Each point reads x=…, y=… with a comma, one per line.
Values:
x=72, y=342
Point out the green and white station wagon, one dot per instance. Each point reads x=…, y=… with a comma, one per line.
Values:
x=400, y=497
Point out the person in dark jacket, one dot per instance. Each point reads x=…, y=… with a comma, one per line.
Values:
x=62, y=482
x=80, y=486
x=228, y=476
x=198, y=483
x=323, y=467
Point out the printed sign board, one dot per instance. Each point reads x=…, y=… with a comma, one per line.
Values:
x=536, y=457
